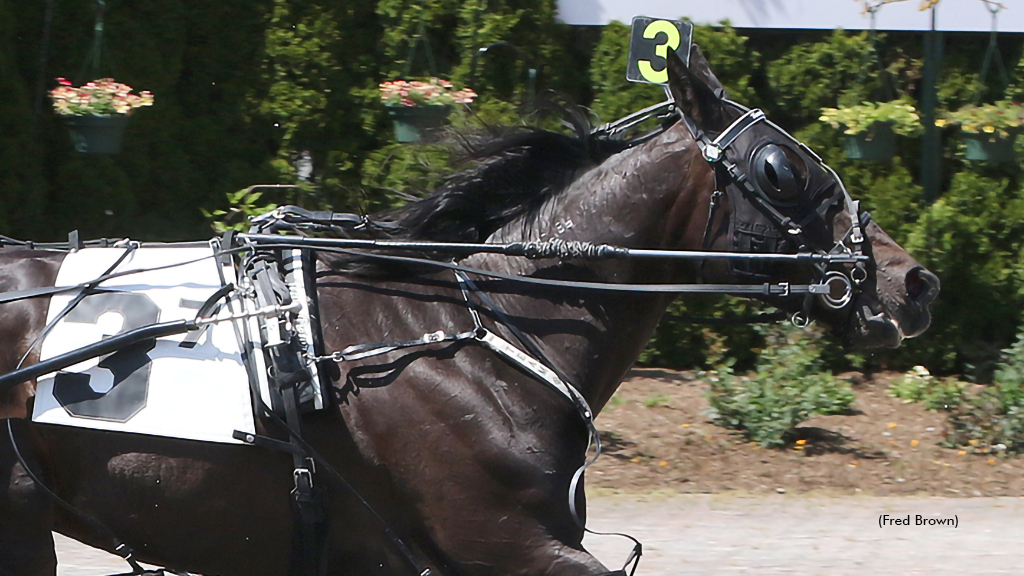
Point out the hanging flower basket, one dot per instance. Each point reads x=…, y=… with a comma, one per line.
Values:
x=876, y=144
x=97, y=134
x=994, y=148
x=870, y=128
x=412, y=122
x=988, y=130
x=417, y=106
x=96, y=114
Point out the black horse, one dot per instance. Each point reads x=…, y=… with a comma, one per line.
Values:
x=464, y=456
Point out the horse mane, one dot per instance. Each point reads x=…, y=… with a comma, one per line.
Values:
x=511, y=173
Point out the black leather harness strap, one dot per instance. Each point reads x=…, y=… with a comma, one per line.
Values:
x=309, y=507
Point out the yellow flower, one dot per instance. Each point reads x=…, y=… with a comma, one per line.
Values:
x=962, y=452
x=940, y=122
x=663, y=463
x=991, y=460
x=914, y=442
x=989, y=129
x=801, y=442
x=892, y=424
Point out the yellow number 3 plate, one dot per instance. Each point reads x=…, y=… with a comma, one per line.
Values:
x=648, y=46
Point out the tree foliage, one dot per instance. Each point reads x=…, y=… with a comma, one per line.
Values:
x=286, y=91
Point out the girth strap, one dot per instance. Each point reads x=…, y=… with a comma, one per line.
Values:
x=309, y=507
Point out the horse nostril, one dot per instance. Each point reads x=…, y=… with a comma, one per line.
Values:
x=922, y=285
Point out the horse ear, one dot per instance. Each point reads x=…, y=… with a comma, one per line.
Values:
x=696, y=90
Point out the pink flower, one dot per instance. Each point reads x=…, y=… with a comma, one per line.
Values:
x=63, y=81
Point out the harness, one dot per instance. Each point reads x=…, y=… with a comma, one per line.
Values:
x=756, y=220
x=760, y=232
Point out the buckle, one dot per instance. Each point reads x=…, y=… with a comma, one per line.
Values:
x=433, y=337
x=303, y=478
x=124, y=551
x=856, y=236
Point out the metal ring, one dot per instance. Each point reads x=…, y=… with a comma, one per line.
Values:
x=800, y=320
x=859, y=274
x=832, y=279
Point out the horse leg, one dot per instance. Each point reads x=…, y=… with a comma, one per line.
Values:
x=26, y=511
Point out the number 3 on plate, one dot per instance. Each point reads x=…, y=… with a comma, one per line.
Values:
x=649, y=42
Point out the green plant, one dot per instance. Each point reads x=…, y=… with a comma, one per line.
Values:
x=244, y=204
x=1001, y=118
x=432, y=92
x=100, y=97
x=912, y=385
x=900, y=115
x=918, y=385
x=790, y=384
x=993, y=420
x=973, y=239
x=811, y=76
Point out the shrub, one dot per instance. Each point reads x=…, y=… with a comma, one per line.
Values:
x=824, y=74
x=681, y=338
x=993, y=420
x=788, y=386
x=918, y=385
x=972, y=239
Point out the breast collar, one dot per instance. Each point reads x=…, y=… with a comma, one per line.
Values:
x=720, y=153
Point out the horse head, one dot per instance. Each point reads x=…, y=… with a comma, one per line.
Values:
x=773, y=194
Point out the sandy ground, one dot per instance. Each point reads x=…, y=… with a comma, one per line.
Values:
x=769, y=535
x=705, y=502
x=658, y=436
x=720, y=535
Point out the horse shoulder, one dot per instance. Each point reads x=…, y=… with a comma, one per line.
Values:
x=22, y=320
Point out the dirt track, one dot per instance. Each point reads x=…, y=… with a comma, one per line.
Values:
x=659, y=438
x=784, y=534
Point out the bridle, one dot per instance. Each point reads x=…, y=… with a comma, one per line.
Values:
x=844, y=283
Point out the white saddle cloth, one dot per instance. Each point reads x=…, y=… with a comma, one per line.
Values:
x=198, y=392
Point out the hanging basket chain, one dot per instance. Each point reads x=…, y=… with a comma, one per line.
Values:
x=421, y=36
x=888, y=90
x=991, y=54
x=95, y=58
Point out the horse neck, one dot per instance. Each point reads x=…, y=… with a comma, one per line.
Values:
x=651, y=196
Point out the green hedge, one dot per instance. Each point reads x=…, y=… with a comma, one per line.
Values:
x=245, y=87
x=972, y=237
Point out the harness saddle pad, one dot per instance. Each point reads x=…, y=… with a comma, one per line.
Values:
x=192, y=386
